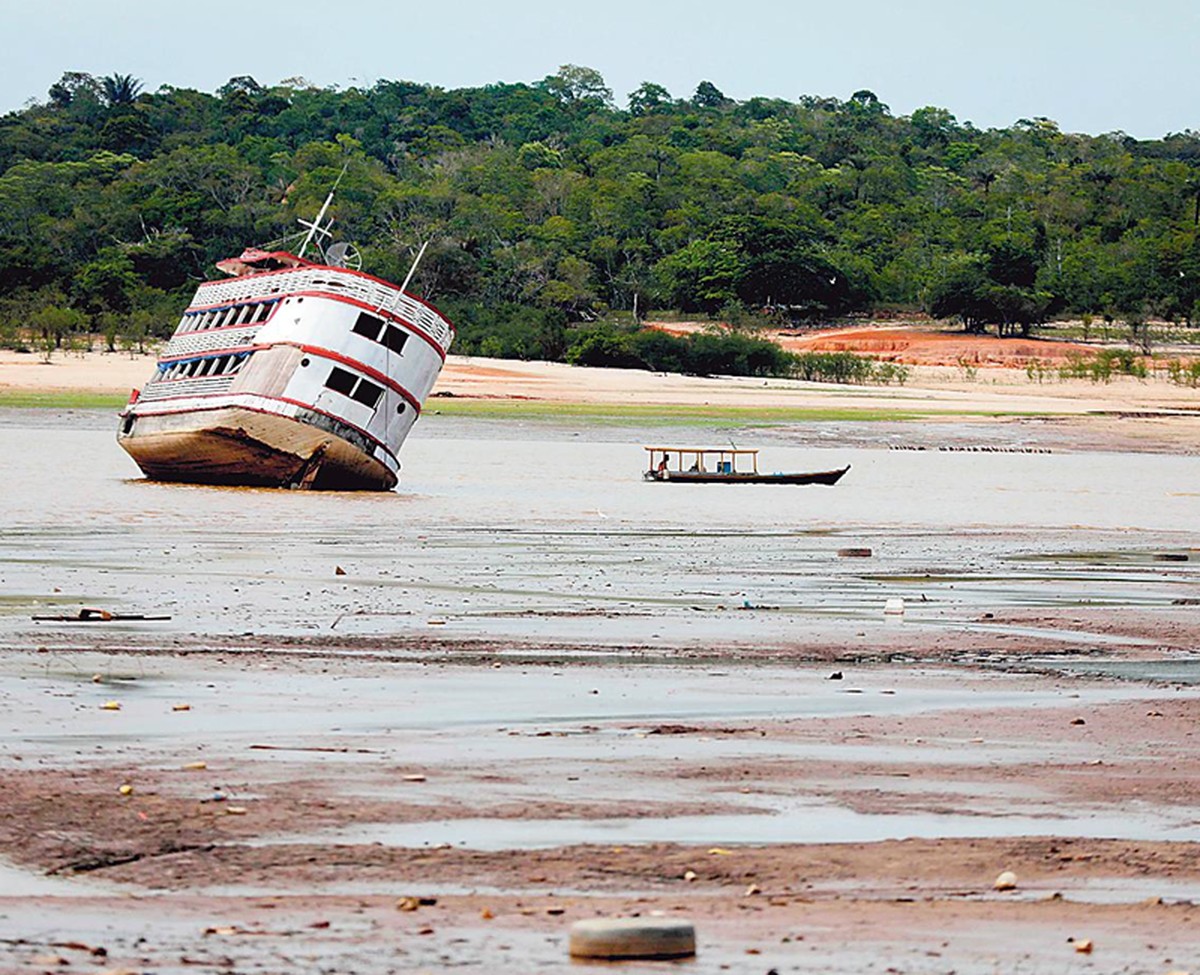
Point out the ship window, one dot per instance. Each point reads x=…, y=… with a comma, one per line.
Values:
x=367, y=393
x=395, y=339
x=369, y=326
x=341, y=381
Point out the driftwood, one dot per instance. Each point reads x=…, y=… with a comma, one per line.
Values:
x=91, y=615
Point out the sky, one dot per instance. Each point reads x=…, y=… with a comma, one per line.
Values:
x=1093, y=66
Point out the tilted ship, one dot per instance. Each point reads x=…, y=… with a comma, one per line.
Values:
x=289, y=373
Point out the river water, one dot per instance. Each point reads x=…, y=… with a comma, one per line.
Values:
x=546, y=530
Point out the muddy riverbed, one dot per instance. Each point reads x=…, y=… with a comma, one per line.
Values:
x=531, y=688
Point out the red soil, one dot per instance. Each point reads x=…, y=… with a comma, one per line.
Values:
x=917, y=346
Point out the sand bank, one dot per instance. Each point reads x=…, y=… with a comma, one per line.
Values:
x=930, y=389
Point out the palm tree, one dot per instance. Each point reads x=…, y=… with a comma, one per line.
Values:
x=120, y=89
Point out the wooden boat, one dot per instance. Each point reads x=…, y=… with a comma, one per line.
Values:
x=720, y=465
x=289, y=373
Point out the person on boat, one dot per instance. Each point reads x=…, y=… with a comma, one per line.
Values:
x=662, y=467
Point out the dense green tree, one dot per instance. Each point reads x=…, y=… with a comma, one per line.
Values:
x=548, y=209
x=709, y=95
x=119, y=89
x=648, y=97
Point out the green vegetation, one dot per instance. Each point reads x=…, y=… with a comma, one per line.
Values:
x=556, y=218
x=1184, y=373
x=59, y=399
x=640, y=414
x=1104, y=365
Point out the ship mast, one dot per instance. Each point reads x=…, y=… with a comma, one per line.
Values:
x=315, y=227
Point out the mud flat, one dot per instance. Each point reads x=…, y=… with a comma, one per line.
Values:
x=430, y=729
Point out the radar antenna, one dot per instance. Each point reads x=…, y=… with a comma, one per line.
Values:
x=343, y=254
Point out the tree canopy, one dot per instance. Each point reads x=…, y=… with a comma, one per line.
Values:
x=547, y=205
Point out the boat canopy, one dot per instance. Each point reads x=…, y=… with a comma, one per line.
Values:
x=723, y=459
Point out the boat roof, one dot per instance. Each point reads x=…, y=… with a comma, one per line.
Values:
x=255, y=261
x=702, y=450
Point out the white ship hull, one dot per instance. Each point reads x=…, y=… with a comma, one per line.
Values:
x=308, y=376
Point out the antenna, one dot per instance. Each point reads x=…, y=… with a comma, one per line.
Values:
x=315, y=227
x=389, y=304
x=413, y=270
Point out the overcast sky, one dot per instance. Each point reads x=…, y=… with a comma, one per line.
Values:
x=1092, y=65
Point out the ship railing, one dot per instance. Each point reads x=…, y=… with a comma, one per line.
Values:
x=169, y=389
x=361, y=288
x=197, y=343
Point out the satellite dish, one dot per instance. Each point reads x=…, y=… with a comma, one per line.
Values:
x=342, y=254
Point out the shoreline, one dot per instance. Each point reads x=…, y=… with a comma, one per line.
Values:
x=1126, y=414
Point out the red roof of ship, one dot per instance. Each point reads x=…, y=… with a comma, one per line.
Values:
x=255, y=261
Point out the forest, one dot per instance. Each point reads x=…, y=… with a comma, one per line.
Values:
x=557, y=219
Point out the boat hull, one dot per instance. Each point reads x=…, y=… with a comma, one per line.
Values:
x=241, y=447
x=712, y=477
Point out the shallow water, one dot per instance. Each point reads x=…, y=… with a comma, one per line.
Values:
x=546, y=531
x=808, y=822
x=48, y=703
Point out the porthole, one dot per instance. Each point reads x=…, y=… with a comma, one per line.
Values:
x=305, y=361
x=400, y=408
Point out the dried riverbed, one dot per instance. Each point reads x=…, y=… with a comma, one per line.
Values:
x=532, y=688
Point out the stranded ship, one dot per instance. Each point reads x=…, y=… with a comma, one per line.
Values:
x=289, y=373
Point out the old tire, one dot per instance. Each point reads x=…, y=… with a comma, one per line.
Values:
x=632, y=937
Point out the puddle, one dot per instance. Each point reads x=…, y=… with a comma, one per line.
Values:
x=1177, y=671
x=799, y=823
x=47, y=709
x=18, y=882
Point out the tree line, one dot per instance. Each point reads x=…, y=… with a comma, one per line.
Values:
x=553, y=213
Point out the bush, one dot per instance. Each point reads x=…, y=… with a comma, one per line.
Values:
x=604, y=345
x=1101, y=367
x=832, y=367
x=1184, y=373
